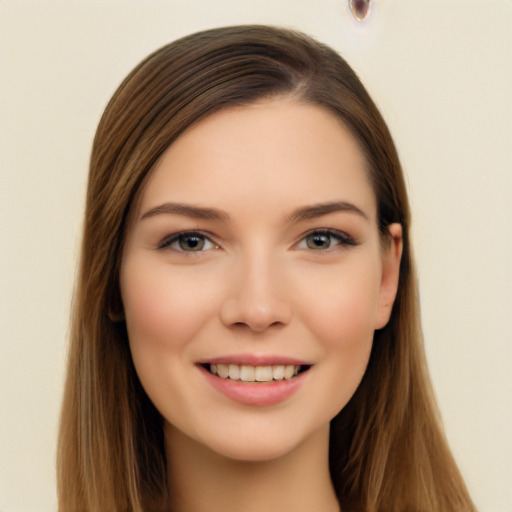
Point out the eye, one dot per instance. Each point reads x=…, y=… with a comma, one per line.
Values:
x=189, y=241
x=322, y=240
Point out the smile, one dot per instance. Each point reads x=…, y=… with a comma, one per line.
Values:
x=257, y=384
x=248, y=373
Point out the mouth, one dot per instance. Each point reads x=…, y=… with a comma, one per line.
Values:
x=256, y=380
x=255, y=374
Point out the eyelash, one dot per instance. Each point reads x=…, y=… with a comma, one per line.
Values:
x=342, y=238
x=168, y=241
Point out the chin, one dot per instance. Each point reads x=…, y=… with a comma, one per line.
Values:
x=257, y=450
x=266, y=444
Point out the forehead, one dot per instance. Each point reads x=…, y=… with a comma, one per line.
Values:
x=273, y=153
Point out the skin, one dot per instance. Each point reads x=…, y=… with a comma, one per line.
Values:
x=259, y=286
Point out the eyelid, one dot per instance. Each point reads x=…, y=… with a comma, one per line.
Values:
x=342, y=237
x=167, y=241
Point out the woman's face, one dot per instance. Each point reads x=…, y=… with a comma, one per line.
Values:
x=254, y=277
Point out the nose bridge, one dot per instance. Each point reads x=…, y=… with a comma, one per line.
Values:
x=258, y=296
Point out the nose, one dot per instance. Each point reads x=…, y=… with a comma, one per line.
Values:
x=258, y=298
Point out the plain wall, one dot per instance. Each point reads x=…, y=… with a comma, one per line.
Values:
x=441, y=72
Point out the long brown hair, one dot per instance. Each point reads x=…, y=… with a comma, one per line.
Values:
x=387, y=448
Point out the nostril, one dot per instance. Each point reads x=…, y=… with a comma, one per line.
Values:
x=258, y=325
x=256, y=310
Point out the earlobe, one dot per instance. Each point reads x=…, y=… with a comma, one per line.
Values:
x=391, y=258
x=115, y=317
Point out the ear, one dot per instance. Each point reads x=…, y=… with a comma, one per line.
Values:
x=391, y=257
x=115, y=317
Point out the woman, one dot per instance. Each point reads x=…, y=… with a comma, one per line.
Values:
x=246, y=332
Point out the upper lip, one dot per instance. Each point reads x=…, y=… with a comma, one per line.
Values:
x=255, y=360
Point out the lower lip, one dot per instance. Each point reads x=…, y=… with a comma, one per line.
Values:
x=255, y=393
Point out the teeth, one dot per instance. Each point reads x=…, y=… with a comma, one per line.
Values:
x=289, y=371
x=278, y=372
x=223, y=371
x=263, y=373
x=247, y=373
x=234, y=371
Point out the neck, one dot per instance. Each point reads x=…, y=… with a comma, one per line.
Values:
x=201, y=480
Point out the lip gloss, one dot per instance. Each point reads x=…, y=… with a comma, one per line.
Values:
x=255, y=393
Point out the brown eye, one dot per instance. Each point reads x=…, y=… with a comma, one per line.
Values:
x=318, y=241
x=191, y=243
x=188, y=242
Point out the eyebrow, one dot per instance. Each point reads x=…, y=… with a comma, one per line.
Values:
x=187, y=210
x=301, y=214
x=320, y=209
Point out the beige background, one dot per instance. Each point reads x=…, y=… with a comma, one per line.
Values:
x=440, y=70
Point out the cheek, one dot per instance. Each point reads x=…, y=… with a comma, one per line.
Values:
x=164, y=311
x=341, y=316
x=344, y=305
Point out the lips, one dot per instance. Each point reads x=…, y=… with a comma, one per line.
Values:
x=255, y=380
